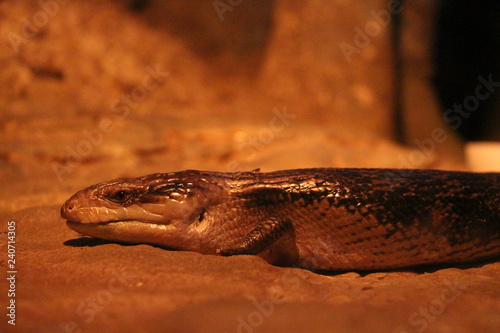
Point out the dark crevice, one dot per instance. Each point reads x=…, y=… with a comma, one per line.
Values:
x=87, y=242
x=49, y=73
x=201, y=217
x=467, y=45
x=139, y=5
x=397, y=115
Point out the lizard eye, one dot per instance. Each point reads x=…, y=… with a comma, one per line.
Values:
x=120, y=196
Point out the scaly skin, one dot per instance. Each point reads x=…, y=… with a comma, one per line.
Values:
x=329, y=219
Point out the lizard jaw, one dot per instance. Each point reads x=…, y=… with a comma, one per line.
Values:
x=135, y=232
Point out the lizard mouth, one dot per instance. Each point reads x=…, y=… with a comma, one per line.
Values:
x=133, y=232
x=113, y=230
x=118, y=221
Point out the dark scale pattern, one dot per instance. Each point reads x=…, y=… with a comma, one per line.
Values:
x=465, y=194
x=447, y=210
x=319, y=218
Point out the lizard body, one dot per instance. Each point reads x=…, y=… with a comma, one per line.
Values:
x=325, y=218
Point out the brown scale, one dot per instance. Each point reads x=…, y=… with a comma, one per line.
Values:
x=330, y=219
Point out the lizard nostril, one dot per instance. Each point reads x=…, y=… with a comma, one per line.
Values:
x=67, y=207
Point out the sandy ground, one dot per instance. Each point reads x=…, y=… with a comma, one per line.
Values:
x=65, y=283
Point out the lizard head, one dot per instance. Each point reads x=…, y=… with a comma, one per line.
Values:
x=160, y=209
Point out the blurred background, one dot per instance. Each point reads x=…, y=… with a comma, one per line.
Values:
x=93, y=90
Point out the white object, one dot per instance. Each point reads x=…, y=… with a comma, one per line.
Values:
x=483, y=156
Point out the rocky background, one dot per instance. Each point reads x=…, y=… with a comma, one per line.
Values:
x=95, y=90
